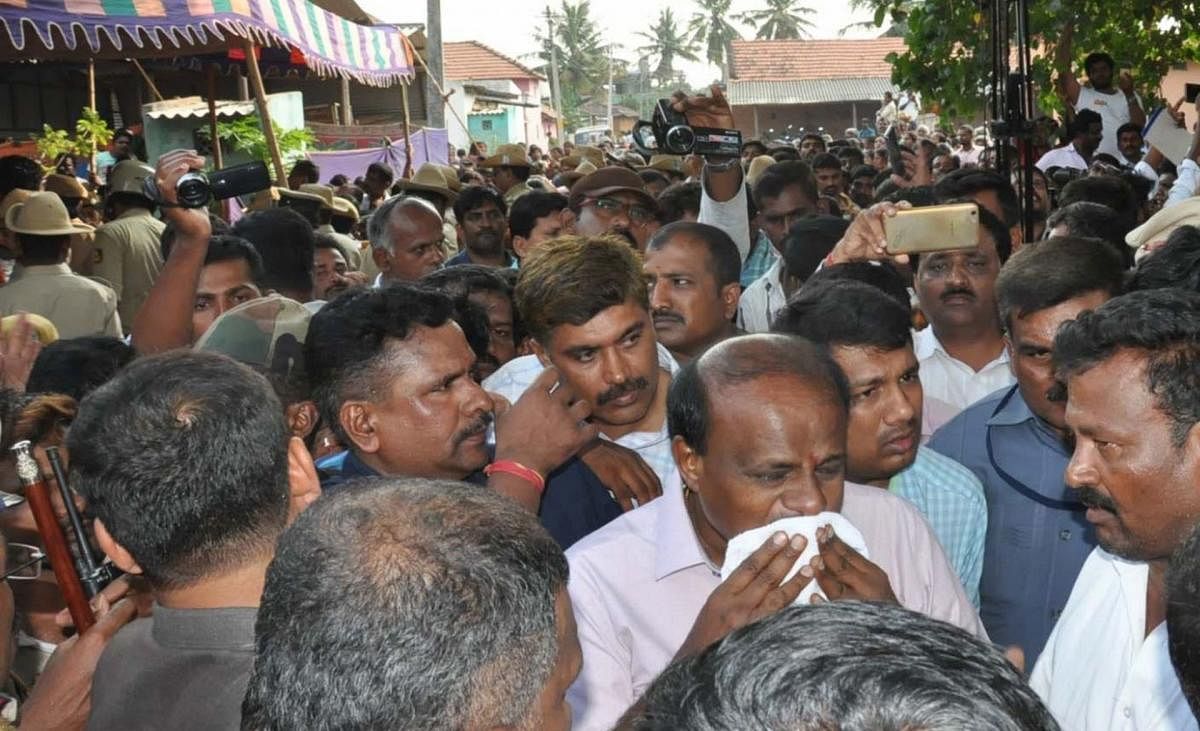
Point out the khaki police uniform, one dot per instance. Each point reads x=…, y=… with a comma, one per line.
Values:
x=127, y=254
x=77, y=306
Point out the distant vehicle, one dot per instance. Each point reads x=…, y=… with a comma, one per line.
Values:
x=591, y=135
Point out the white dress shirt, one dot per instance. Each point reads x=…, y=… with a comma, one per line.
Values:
x=1099, y=669
x=731, y=216
x=762, y=300
x=1062, y=157
x=638, y=584
x=952, y=382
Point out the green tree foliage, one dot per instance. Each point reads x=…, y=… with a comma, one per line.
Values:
x=667, y=43
x=779, y=19
x=582, y=55
x=949, y=55
x=710, y=29
x=245, y=134
x=91, y=133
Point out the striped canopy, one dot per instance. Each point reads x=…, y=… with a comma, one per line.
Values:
x=75, y=30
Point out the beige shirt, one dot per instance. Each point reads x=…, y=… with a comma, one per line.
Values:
x=76, y=305
x=128, y=256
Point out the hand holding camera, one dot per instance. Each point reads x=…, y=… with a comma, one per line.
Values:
x=191, y=224
x=684, y=125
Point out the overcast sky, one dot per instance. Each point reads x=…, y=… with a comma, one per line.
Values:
x=507, y=25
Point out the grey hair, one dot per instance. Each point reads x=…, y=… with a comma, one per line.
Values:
x=379, y=225
x=844, y=665
x=407, y=603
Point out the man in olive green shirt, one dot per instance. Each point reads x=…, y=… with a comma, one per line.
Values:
x=127, y=253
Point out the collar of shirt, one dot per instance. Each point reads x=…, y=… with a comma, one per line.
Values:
x=676, y=546
x=219, y=628
x=40, y=270
x=1015, y=411
x=135, y=212
x=926, y=344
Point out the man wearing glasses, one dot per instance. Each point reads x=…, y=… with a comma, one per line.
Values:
x=613, y=200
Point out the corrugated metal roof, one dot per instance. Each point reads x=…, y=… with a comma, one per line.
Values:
x=808, y=91
x=194, y=107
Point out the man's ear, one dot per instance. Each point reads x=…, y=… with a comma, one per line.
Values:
x=381, y=259
x=304, y=487
x=1017, y=233
x=458, y=229
x=690, y=463
x=731, y=294
x=539, y=351
x=520, y=246
x=358, y=421
x=568, y=219
x=115, y=551
x=301, y=418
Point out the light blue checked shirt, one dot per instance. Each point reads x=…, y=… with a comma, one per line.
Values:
x=762, y=257
x=951, y=498
x=654, y=447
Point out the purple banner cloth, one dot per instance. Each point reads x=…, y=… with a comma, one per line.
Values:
x=428, y=145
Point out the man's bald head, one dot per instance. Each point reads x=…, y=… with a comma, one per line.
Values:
x=406, y=236
x=741, y=360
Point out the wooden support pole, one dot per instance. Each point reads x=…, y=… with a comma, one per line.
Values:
x=92, y=103
x=158, y=97
x=223, y=206
x=407, y=133
x=347, y=111
x=264, y=115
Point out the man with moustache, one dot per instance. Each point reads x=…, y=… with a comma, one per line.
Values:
x=1014, y=441
x=1133, y=405
x=481, y=215
x=646, y=588
x=390, y=372
x=613, y=200
x=693, y=272
x=867, y=334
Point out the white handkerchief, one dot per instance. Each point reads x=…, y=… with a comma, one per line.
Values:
x=744, y=544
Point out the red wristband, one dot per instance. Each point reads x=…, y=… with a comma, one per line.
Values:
x=516, y=469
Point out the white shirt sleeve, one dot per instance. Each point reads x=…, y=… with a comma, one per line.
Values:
x=730, y=216
x=1143, y=168
x=1188, y=175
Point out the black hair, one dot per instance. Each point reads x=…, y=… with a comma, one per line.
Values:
x=1098, y=57
x=78, y=366
x=966, y=182
x=527, y=209
x=809, y=241
x=307, y=168
x=825, y=161
x=1085, y=219
x=650, y=175
x=776, y=178
x=338, y=180
x=883, y=275
x=285, y=241
x=851, y=155
x=462, y=281
x=864, y=171
x=677, y=200
x=1083, y=121
x=1129, y=127
x=166, y=240
x=1047, y=273
x=18, y=171
x=918, y=195
x=725, y=261
x=346, y=346
x=1161, y=324
x=844, y=665
x=741, y=360
x=473, y=197
x=1176, y=264
x=785, y=154
x=813, y=136
x=1107, y=190
x=428, y=604
x=183, y=456
x=1183, y=618
x=233, y=248
x=380, y=170
x=848, y=313
x=520, y=172
x=41, y=249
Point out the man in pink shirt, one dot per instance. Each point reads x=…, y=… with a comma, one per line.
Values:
x=646, y=588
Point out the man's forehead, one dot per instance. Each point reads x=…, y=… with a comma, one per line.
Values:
x=603, y=328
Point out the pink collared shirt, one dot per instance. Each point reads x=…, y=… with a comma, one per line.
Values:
x=638, y=584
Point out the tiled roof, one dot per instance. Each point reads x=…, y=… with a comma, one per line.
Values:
x=465, y=60
x=827, y=59
x=807, y=91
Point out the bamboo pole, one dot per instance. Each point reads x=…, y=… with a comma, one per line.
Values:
x=92, y=104
x=158, y=97
x=264, y=115
x=442, y=92
x=347, y=111
x=223, y=206
x=407, y=136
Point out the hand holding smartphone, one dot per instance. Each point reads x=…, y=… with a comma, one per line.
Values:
x=932, y=228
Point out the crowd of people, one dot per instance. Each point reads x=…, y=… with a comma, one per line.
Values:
x=473, y=448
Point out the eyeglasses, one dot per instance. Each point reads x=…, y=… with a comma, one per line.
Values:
x=24, y=562
x=611, y=207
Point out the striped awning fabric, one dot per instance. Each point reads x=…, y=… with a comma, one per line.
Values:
x=74, y=30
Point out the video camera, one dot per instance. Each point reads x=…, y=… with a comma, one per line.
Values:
x=674, y=136
x=196, y=189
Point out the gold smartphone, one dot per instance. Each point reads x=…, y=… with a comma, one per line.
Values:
x=932, y=228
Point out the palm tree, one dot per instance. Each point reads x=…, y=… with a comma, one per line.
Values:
x=667, y=43
x=582, y=57
x=780, y=19
x=710, y=28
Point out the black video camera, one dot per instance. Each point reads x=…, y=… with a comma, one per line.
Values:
x=674, y=136
x=196, y=189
